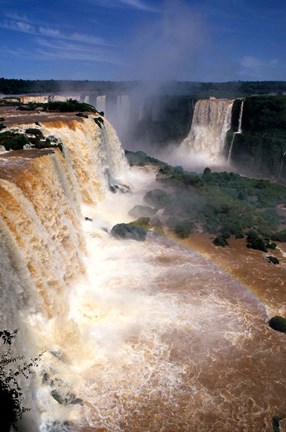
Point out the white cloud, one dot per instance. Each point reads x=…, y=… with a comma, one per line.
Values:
x=50, y=32
x=20, y=26
x=138, y=4
x=258, y=68
x=132, y=4
x=74, y=51
x=256, y=63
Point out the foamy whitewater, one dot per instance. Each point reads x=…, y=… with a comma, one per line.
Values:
x=205, y=143
x=138, y=336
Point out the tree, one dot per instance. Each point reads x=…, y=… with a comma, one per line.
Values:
x=11, y=369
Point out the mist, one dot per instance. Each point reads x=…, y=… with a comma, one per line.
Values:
x=160, y=53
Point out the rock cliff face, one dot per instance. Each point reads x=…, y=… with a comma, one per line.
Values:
x=260, y=148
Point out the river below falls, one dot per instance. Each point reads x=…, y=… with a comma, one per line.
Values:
x=159, y=338
x=163, y=340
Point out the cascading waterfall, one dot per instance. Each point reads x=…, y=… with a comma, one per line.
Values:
x=137, y=335
x=211, y=121
x=42, y=193
x=239, y=131
x=100, y=103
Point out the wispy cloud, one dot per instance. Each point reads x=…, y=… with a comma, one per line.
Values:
x=26, y=26
x=139, y=5
x=256, y=67
x=254, y=62
x=50, y=49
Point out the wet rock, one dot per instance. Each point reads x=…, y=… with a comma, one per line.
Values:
x=157, y=198
x=47, y=379
x=136, y=230
x=117, y=187
x=278, y=424
x=66, y=399
x=278, y=323
x=273, y=259
x=220, y=241
x=56, y=426
x=58, y=355
x=142, y=211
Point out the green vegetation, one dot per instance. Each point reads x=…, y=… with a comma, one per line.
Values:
x=278, y=323
x=220, y=241
x=207, y=89
x=32, y=138
x=71, y=105
x=222, y=204
x=11, y=369
x=2, y=125
x=184, y=228
x=13, y=140
x=261, y=148
x=279, y=236
x=254, y=241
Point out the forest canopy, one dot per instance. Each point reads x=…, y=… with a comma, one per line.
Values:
x=225, y=89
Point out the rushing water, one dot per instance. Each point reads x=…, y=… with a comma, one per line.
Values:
x=138, y=336
x=206, y=140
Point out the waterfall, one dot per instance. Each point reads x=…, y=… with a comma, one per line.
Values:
x=118, y=112
x=43, y=196
x=239, y=131
x=43, y=192
x=124, y=325
x=211, y=121
x=100, y=103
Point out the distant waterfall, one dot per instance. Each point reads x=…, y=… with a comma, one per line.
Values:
x=239, y=131
x=100, y=103
x=211, y=121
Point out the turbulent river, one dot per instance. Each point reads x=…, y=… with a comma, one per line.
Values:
x=159, y=339
x=137, y=336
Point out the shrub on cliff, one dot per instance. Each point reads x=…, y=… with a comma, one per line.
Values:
x=11, y=396
x=71, y=105
x=13, y=140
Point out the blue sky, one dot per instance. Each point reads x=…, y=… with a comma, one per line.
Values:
x=193, y=40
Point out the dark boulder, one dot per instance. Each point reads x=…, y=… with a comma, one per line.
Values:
x=136, y=230
x=220, y=241
x=278, y=323
x=67, y=399
x=273, y=259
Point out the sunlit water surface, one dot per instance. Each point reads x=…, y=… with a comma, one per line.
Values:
x=158, y=339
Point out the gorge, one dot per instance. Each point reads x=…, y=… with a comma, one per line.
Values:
x=136, y=336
